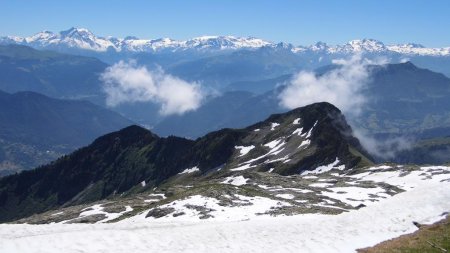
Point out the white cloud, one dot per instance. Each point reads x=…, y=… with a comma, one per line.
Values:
x=342, y=86
x=126, y=82
x=385, y=149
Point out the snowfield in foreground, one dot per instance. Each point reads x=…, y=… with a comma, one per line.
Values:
x=426, y=200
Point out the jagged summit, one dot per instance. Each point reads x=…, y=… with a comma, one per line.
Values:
x=77, y=33
x=368, y=45
x=319, y=46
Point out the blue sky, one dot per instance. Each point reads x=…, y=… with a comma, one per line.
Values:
x=298, y=22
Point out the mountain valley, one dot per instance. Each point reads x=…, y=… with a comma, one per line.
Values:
x=36, y=129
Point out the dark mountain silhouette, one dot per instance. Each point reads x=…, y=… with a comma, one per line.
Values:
x=115, y=163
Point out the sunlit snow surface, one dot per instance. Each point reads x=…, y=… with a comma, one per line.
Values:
x=98, y=209
x=325, y=168
x=240, y=229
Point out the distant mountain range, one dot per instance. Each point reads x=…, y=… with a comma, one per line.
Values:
x=405, y=97
x=222, y=60
x=83, y=39
x=36, y=129
x=402, y=101
x=54, y=74
x=396, y=89
x=402, y=98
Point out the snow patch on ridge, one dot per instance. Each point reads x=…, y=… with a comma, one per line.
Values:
x=98, y=209
x=304, y=144
x=237, y=181
x=243, y=167
x=190, y=170
x=285, y=196
x=244, y=149
x=324, y=168
x=245, y=208
x=273, y=126
x=275, y=146
x=298, y=131
x=308, y=134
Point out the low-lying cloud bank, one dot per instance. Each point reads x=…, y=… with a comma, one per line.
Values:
x=126, y=82
x=385, y=149
x=342, y=86
x=345, y=87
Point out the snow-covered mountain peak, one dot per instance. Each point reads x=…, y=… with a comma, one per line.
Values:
x=81, y=34
x=206, y=37
x=411, y=45
x=129, y=38
x=12, y=40
x=368, y=45
x=417, y=49
x=225, y=42
x=44, y=35
x=283, y=46
x=74, y=38
x=83, y=39
x=319, y=46
x=75, y=32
